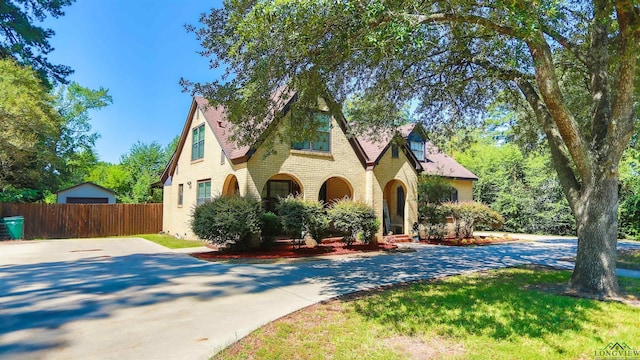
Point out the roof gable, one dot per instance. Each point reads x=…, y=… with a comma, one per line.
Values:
x=222, y=129
x=376, y=148
x=217, y=121
x=437, y=163
x=88, y=183
x=369, y=151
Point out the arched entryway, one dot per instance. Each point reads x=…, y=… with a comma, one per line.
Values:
x=334, y=189
x=230, y=186
x=280, y=185
x=395, y=200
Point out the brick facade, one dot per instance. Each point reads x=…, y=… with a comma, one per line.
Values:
x=340, y=169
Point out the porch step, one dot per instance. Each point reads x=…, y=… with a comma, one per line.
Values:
x=397, y=238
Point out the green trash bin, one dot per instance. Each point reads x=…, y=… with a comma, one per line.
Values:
x=15, y=226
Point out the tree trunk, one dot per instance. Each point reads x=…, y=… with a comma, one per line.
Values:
x=597, y=222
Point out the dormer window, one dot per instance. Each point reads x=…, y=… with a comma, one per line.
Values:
x=417, y=145
x=322, y=139
x=418, y=149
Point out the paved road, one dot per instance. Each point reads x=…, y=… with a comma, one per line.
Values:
x=132, y=299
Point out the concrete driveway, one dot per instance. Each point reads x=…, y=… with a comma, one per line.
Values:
x=133, y=299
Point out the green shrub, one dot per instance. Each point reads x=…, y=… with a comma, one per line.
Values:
x=467, y=214
x=300, y=215
x=432, y=192
x=354, y=218
x=271, y=224
x=629, y=216
x=434, y=189
x=271, y=227
x=11, y=194
x=434, y=219
x=231, y=221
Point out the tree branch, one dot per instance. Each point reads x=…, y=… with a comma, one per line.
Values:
x=552, y=96
x=623, y=115
x=505, y=74
x=466, y=19
x=561, y=158
x=566, y=43
x=598, y=68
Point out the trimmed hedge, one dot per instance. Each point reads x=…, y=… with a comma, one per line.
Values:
x=271, y=227
x=355, y=218
x=232, y=221
x=299, y=215
x=432, y=192
x=468, y=214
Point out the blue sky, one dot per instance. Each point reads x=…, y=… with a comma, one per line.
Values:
x=139, y=50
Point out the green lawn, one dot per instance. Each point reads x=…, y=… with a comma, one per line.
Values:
x=494, y=315
x=629, y=259
x=170, y=241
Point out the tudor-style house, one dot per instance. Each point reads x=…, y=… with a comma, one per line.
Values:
x=382, y=173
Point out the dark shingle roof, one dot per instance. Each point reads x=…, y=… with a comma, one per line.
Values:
x=369, y=150
x=221, y=128
x=439, y=163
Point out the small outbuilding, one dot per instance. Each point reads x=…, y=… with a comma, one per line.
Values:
x=86, y=193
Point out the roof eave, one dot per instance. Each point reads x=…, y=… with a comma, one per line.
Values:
x=88, y=183
x=171, y=166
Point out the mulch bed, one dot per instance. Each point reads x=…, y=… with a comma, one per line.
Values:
x=331, y=247
x=287, y=250
x=474, y=241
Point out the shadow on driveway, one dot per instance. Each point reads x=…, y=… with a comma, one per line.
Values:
x=40, y=303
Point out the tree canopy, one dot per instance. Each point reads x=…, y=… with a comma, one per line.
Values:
x=572, y=63
x=75, y=141
x=144, y=164
x=29, y=124
x=133, y=179
x=45, y=140
x=520, y=186
x=27, y=43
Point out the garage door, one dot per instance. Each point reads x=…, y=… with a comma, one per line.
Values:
x=87, y=200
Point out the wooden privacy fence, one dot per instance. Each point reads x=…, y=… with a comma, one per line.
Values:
x=54, y=221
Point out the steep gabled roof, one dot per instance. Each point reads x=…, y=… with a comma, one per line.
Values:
x=221, y=127
x=223, y=131
x=437, y=162
x=375, y=148
x=369, y=151
x=406, y=129
x=171, y=166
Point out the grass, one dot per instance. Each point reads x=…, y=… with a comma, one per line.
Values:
x=170, y=241
x=489, y=315
x=629, y=259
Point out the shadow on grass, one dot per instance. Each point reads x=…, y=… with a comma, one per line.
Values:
x=40, y=302
x=487, y=304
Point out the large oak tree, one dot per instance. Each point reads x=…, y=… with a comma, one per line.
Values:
x=572, y=62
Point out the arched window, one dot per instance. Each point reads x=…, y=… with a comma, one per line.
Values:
x=276, y=189
x=454, y=195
